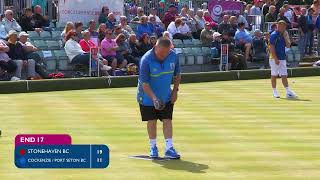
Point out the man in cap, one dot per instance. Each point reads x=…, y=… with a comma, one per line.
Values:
x=31, y=53
x=17, y=54
x=206, y=35
x=278, y=62
x=170, y=15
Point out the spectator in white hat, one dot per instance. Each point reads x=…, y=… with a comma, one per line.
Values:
x=31, y=53
x=17, y=54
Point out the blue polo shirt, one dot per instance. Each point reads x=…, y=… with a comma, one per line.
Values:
x=159, y=75
x=279, y=43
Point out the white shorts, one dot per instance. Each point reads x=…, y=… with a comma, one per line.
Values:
x=280, y=69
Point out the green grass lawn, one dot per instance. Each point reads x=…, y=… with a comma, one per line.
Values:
x=223, y=130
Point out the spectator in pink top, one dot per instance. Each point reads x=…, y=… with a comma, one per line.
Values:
x=109, y=49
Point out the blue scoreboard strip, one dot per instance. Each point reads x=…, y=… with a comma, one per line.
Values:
x=61, y=156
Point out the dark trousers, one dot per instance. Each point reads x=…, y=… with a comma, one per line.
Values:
x=9, y=66
x=309, y=44
x=180, y=36
x=237, y=60
x=39, y=67
x=196, y=35
x=81, y=59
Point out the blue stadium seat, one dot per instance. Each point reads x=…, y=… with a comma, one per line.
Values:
x=188, y=43
x=60, y=26
x=198, y=55
x=56, y=35
x=63, y=60
x=45, y=35
x=40, y=44
x=33, y=35
x=177, y=43
x=53, y=45
x=196, y=42
x=190, y=56
x=49, y=59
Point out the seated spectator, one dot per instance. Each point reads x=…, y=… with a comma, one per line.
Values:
x=6, y=63
x=111, y=21
x=265, y=7
x=144, y=44
x=79, y=28
x=102, y=30
x=124, y=49
x=153, y=41
x=124, y=25
x=207, y=17
x=103, y=17
x=206, y=35
x=184, y=28
x=224, y=26
x=296, y=14
x=10, y=23
x=69, y=27
x=184, y=13
x=31, y=53
x=157, y=28
x=134, y=46
x=174, y=30
x=243, y=40
x=199, y=18
x=166, y=34
x=140, y=13
x=93, y=31
x=259, y=47
x=193, y=24
x=153, y=13
x=256, y=8
x=288, y=13
x=92, y=28
x=41, y=3
x=26, y=21
x=74, y=51
x=118, y=30
x=246, y=11
x=281, y=17
x=144, y=27
x=236, y=59
x=3, y=32
x=39, y=20
x=170, y=15
x=86, y=42
x=216, y=44
x=271, y=15
x=233, y=25
x=16, y=53
x=109, y=49
x=242, y=19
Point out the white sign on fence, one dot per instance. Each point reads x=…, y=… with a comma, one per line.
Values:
x=86, y=10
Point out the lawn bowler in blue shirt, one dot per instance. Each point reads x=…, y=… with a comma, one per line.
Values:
x=158, y=67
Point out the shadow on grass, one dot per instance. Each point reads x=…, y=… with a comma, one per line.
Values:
x=181, y=165
x=293, y=99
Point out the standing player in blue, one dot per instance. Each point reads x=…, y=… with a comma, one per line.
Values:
x=158, y=67
x=278, y=61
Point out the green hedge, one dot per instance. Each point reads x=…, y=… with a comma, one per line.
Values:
x=131, y=81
